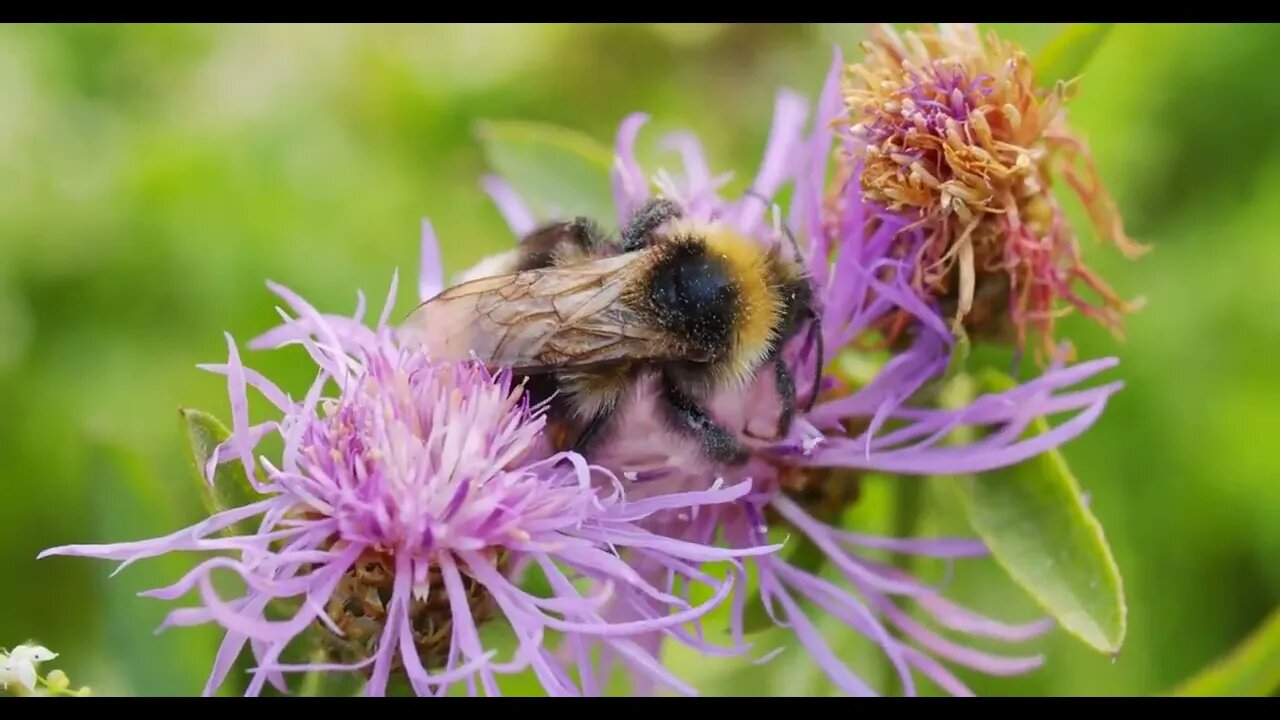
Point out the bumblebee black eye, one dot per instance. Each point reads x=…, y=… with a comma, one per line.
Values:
x=695, y=298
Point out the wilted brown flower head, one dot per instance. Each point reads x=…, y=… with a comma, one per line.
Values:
x=953, y=130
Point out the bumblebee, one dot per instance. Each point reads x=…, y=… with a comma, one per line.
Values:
x=583, y=317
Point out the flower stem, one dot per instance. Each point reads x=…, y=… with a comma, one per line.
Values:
x=313, y=682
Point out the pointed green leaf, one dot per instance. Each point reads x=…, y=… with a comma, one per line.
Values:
x=1065, y=56
x=231, y=487
x=558, y=171
x=1252, y=669
x=1034, y=519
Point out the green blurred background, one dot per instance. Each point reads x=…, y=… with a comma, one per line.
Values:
x=152, y=177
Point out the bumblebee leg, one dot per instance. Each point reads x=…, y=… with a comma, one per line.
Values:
x=786, y=393
x=786, y=387
x=644, y=221
x=819, y=360
x=686, y=416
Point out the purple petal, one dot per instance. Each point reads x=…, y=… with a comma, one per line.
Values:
x=789, y=114
x=397, y=612
x=261, y=674
x=513, y=208
x=642, y=626
x=275, y=677
x=410, y=659
x=1015, y=408
x=964, y=620
x=646, y=663
x=715, y=495
x=806, y=205
x=595, y=559
x=233, y=446
x=186, y=539
x=638, y=538
x=927, y=547
x=969, y=657
x=955, y=461
x=304, y=309
x=387, y=306
x=936, y=672
x=258, y=381
x=229, y=650
x=464, y=628
x=239, y=407
x=696, y=171
x=814, y=644
x=629, y=186
x=222, y=612
x=640, y=658
x=554, y=678
x=817, y=532
x=529, y=634
x=257, y=583
x=430, y=269
x=848, y=610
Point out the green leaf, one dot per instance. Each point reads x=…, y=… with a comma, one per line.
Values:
x=558, y=171
x=231, y=487
x=133, y=505
x=1065, y=56
x=1252, y=669
x=1034, y=519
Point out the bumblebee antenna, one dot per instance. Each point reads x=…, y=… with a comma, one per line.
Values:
x=786, y=229
x=795, y=246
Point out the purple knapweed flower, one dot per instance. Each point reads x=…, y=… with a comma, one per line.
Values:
x=877, y=427
x=397, y=514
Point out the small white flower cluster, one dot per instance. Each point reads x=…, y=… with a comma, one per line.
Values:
x=19, y=673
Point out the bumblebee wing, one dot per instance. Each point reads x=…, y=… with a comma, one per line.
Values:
x=544, y=319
